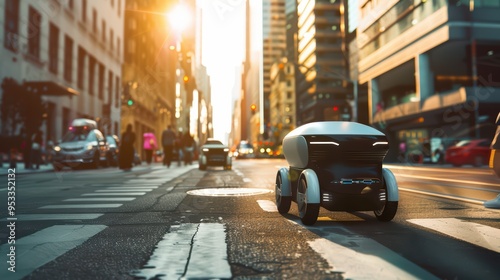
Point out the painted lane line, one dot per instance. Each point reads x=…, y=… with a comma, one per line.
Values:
x=70, y=206
x=48, y=217
x=127, y=190
x=359, y=257
x=267, y=205
x=439, y=170
x=44, y=246
x=447, y=180
x=473, y=233
x=469, y=200
x=104, y=194
x=189, y=251
x=100, y=199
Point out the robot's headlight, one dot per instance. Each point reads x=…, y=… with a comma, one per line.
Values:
x=381, y=143
x=324, y=143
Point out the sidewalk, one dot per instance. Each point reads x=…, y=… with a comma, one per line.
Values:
x=20, y=169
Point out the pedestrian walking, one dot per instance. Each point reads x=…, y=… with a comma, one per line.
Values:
x=188, y=142
x=179, y=148
x=168, y=142
x=126, y=156
x=36, y=149
x=149, y=145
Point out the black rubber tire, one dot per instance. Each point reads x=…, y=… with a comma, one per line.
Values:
x=388, y=212
x=308, y=212
x=283, y=203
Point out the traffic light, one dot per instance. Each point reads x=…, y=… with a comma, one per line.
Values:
x=253, y=108
x=185, y=79
x=130, y=102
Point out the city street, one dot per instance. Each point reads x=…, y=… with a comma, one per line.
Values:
x=182, y=223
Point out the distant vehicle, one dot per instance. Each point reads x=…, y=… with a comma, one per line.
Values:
x=495, y=149
x=244, y=150
x=214, y=153
x=83, y=144
x=114, y=148
x=336, y=165
x=475, y=152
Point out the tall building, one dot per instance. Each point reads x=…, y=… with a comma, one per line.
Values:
x=274, y=45
x=282, y=101
x=432, y=71
x=149, y=69
x=68, y=52
x=322, y=83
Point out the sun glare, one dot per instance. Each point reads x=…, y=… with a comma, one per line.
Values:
x=179, y=18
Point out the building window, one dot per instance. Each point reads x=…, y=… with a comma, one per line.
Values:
x=81, y=67
x=118, y=46
x=71, y=4
x=11, y=25
x=111, y=38
x=92, y=64
x=94, y=21
x=84, y=11
x=117, y=91
x=110, y=87
x=103, y=31
x=101, y=82
x=34, y=33
x=53, y=48
x=119, y=7
x=68, y=59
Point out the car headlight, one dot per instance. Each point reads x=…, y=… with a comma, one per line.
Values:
x=226, y=150
x=89, y=147
x=57, y=148
x=205, y=149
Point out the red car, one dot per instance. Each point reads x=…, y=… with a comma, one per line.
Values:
x=474, y=152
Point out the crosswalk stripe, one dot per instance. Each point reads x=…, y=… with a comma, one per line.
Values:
x=474, y=233
x=43, y=217
x=44, y=246
x=126, y=187
x=105, y=194
x=100, y=199
x=267, y=205
x=190, y=251
x=126, y=190
x=358, y=257
x=70, y=206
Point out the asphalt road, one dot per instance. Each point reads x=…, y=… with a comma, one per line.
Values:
x=183, y=223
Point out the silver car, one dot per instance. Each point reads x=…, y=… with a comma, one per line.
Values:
x=82, y=145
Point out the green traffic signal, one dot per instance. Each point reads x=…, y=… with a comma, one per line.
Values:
x=130, y=102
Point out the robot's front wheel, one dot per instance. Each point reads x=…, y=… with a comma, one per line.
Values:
x=308, y=212
x=283, y=200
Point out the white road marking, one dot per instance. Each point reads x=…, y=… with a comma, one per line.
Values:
x=267, y=205
x=447, y=180
x=358, y=257
x=190, y=251
x=126, y=190
x=469, y=200
x=70, y=206
x=101, y=199
x=42, y=217
x=104, y=194
x=42, y=247
x=247, y=180
x=477, y=234
x=126, y=187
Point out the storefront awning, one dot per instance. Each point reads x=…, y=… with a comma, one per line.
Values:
x=50, y=88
